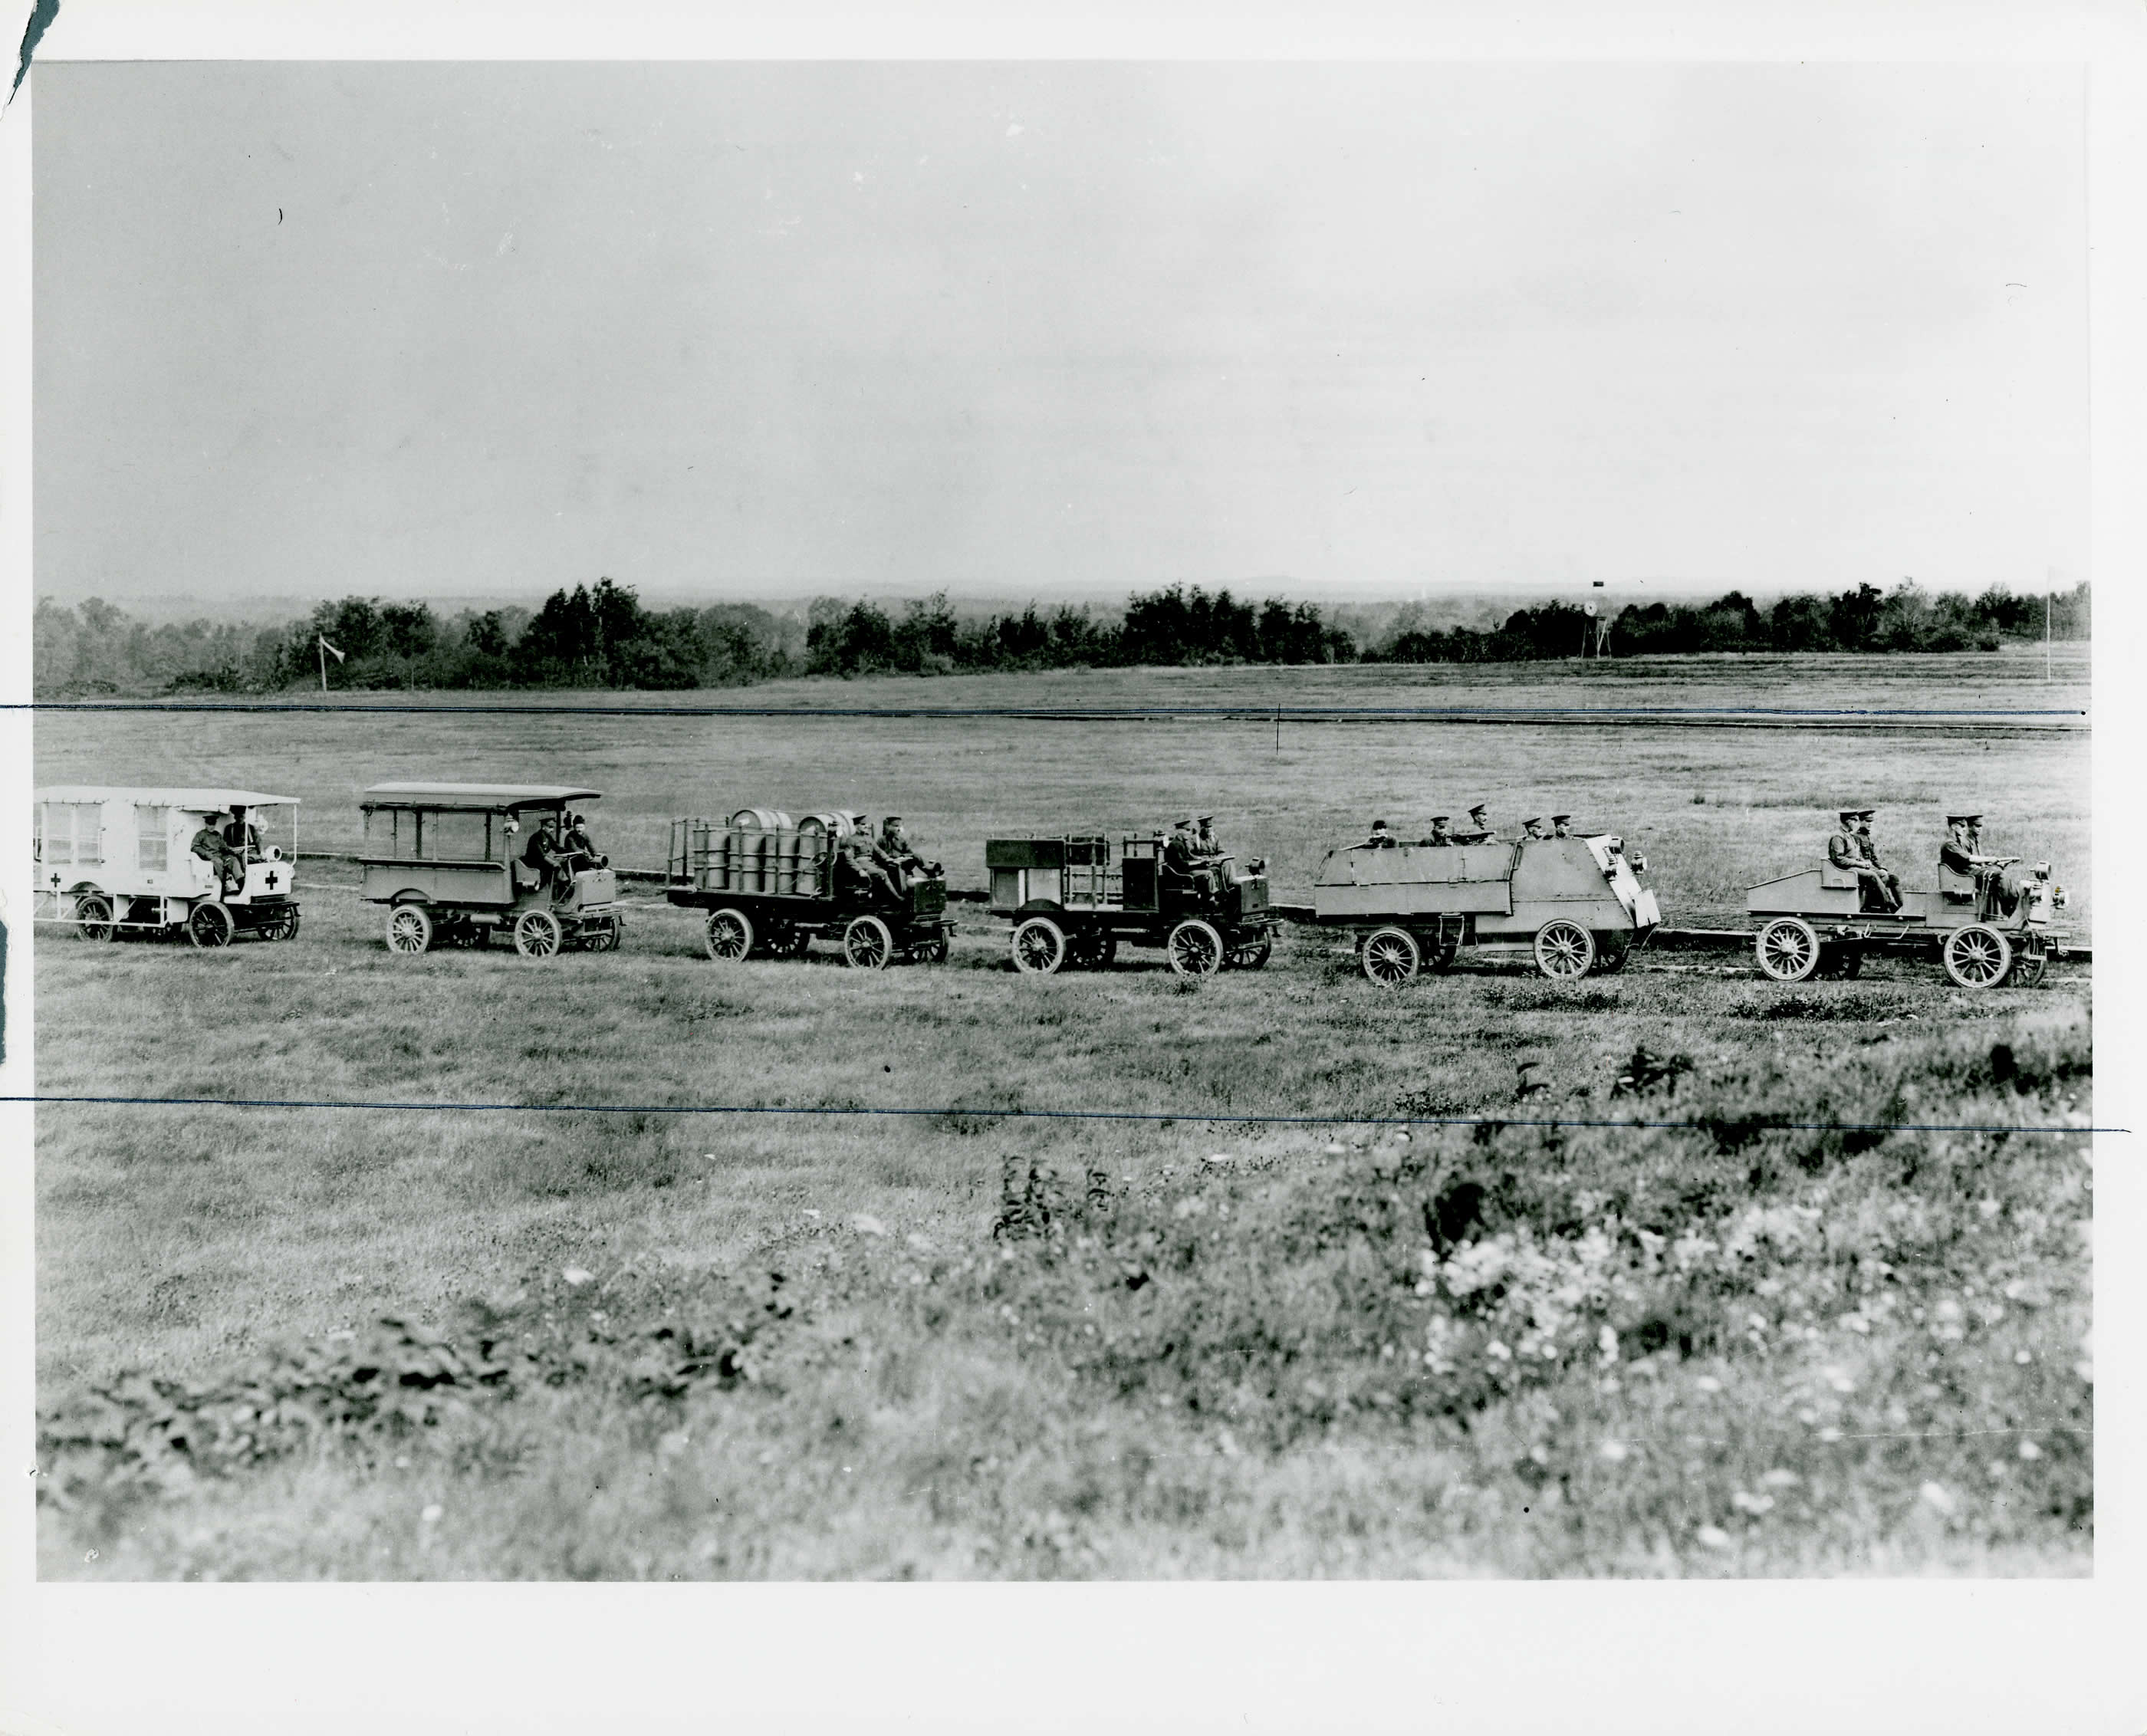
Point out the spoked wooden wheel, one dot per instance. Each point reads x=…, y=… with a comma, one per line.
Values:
x=282, y=926
x=730, y=936
x=1253, y=956
x=1977, y=956
x=1788, y=949
x=409, y=929
x=1390, y=957
x=1840, y=960
x=210, y=924
x=538, y=933
x=1093, y=952
x=1195, y=948
x=933, y=952
x=1565, y=950
x=1611, y=954
x=1039, y=947
x=2029, y=961
x=867, y=943
x=600, y=934
x=93, y=914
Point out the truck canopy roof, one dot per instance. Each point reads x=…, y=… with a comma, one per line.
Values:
x=189, y=800
x=486, y=796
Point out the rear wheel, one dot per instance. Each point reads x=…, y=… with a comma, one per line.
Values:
x=730, y=936
x=867, y=943
x=1039, y=947
x=1840, y=960
x=1565, y=950
x=210, y=924
x=1977, y=956
x=409, y=929
x=1788, y=949
x=93, y=914
x=1195, y=948
x=1390, y=957
x=537, y=933
x=1253, y=955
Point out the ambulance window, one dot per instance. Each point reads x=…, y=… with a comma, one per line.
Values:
x=456, y=835
x=152, y=829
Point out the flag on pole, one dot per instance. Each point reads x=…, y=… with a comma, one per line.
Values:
x=322, y=648
x=325, y=646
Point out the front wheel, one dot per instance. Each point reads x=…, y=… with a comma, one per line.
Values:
x=537, y=933
x=933, y=952
x=1195, y=948
x=1564, y=951
x=867, y=943
x=1253, y=956
x=1390, y=957
x=1788, y=949
x=1977, y=956
x=730, y=936
x=285, y=927
x=1039, y=947
x=93, y=914
x=409, y=929
x=210, y=924
x=2029, y=962
x=600, y=934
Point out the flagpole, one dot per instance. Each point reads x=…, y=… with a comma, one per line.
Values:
x=321, y=651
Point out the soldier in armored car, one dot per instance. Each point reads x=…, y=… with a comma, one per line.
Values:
x=1561, y=825
x=1479, y=831
x=1380, y=838
x=1441, y=838
x=1532, y=827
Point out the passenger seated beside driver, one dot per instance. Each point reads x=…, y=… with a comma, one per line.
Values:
x=895, y=855
x=208, y=843
x=1204, y=841
x=1380, y=839
x=243, y=836
x=1441, y=838
x=1561, y=825
x=1532, y=828
x=1177, y=849
x=1961, y=854
x=543, y=857
x=578, y=848
x=858, y=872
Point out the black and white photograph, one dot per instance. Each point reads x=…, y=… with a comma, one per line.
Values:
x=995, y=818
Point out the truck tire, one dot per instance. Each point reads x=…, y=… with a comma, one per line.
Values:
x=867, y=943
x=409, y=929
x=1977, y=956
x=1390, y=957
x=1788, y=949
x=538, y=933
x=730, y=935
x=1565, y=952
x=1195, y=948
x=1038, y=947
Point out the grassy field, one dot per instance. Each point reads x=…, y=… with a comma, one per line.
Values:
x=1746, y=1341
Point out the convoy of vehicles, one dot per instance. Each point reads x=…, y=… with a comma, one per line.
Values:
x=1576, y=903
x=771, y=888
x=456, y=863
x=121, y=862
x=1073, y=899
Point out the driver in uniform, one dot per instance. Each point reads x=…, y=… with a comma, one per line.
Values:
x=210, y=844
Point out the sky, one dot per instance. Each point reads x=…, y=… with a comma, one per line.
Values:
x=770, y=330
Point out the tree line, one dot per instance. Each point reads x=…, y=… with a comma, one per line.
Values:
x=604, y=636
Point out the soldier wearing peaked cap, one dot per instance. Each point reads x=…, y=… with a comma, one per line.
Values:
x=1480, y=830
x=1204, y=841
x=1178, y=848
x=1532, y=828
x=1440, y=838
x=1561, y=825
x=1848, y=850
x=1962, y=854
